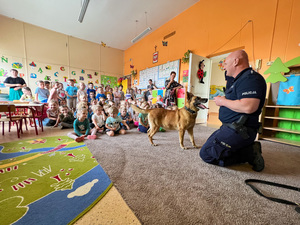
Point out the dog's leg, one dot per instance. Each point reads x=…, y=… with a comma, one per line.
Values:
x=151, y=133
x=181, y=137
x=191, y=134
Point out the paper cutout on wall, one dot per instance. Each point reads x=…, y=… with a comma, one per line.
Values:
x=290, y=89
x=96, y=73
x=112, y=81
x=3, y=73
x=81, y=78
x=56, y=74
x=97, y=81
x=82, y=71
x=89, y=76
x=17, y=65
x=65, y=79
x=4, y=59
x=221, y=64
x=40, y=70
x=185, y=77
x=73, y=73
x=47, y=78
x=275, y=71
x=32, y=64
x=216, y=91
x=75, y=81
x=62, y=68
x=48, y=67
x=21, y=74
x=33, y=75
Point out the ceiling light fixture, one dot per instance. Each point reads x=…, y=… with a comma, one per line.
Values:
x=146, y=31
x=83, y=10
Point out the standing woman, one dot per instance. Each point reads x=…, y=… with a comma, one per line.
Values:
x=171, y=85
x=15, y=85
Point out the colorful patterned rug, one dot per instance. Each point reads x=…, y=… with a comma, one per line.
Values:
x=51, y=180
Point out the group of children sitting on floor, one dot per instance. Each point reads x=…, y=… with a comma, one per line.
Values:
x=90, y=112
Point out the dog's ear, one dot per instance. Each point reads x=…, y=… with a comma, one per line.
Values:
x=189, y=95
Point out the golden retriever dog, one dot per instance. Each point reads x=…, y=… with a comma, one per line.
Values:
x=181, y=119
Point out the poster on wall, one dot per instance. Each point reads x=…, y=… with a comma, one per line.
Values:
x=216, y=90
x=109, y=80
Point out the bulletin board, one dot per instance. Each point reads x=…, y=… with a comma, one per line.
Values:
x=158, y=74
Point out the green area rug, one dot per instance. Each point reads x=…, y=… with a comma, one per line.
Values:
x=52, y=180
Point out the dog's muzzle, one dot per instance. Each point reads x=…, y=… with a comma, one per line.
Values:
x=198, y=103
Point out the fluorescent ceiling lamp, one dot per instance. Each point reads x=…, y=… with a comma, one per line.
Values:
x=83, y=10
x=148, y=29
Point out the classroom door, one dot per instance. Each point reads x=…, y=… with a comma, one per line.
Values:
x=197, y=88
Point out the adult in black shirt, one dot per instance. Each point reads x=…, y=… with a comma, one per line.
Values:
x=15, y=85
x=171, y=85
x=150, y=86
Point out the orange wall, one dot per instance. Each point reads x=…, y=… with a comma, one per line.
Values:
x=209, y=24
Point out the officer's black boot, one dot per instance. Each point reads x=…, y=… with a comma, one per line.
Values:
x=257, y=161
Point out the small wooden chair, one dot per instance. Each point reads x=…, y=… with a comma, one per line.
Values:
x=10, y=118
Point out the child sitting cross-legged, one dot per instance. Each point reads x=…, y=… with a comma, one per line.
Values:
x=65, y=118
x=125, y=116
x=98, y=118
x=82, y=127
x=143, y=119
x=52, y=113
x=113, y=123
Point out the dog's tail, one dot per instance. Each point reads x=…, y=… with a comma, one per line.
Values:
x=139, y=110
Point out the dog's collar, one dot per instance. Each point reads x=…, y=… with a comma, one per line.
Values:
x=190, y=110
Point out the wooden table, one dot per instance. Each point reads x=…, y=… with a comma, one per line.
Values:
x=33, y=107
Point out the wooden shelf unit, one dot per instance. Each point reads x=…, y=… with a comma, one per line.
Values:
x=270, y=119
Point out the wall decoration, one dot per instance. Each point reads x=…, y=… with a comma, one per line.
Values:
x=112, y=81
x=40, y=70
x=279, y=67
x=81, y=78
x=215, y=91
x=82, y=71
x=65, y=79
x=186, y=57
x=96, y=73
x=221, y=64
x=185, y=77
x=200, y=73
x=47, y=78
x=97, y=81
x=32, y=64
x=21, y=74
x=4, y=59
x=155, y=57
x=17, y=65
x=135, y=82
x=48, y=67
x=103, y=44
x=73, y=73
x=3, y=72
x=33, y=75
x=62, y=68
x=56, y=74
x=164, y=43
x=89, y=76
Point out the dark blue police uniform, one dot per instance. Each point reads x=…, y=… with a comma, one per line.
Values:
x=226, y=146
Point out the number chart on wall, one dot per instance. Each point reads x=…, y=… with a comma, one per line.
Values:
x=158, y=74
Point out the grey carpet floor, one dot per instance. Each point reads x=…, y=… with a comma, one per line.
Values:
x=168, y=185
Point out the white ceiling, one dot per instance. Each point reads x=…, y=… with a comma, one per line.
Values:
x=110, y=21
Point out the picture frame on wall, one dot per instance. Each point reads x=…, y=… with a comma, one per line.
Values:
x=155, y=57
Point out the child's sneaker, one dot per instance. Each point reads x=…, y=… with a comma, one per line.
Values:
x=91, y=137
x=161, y=129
